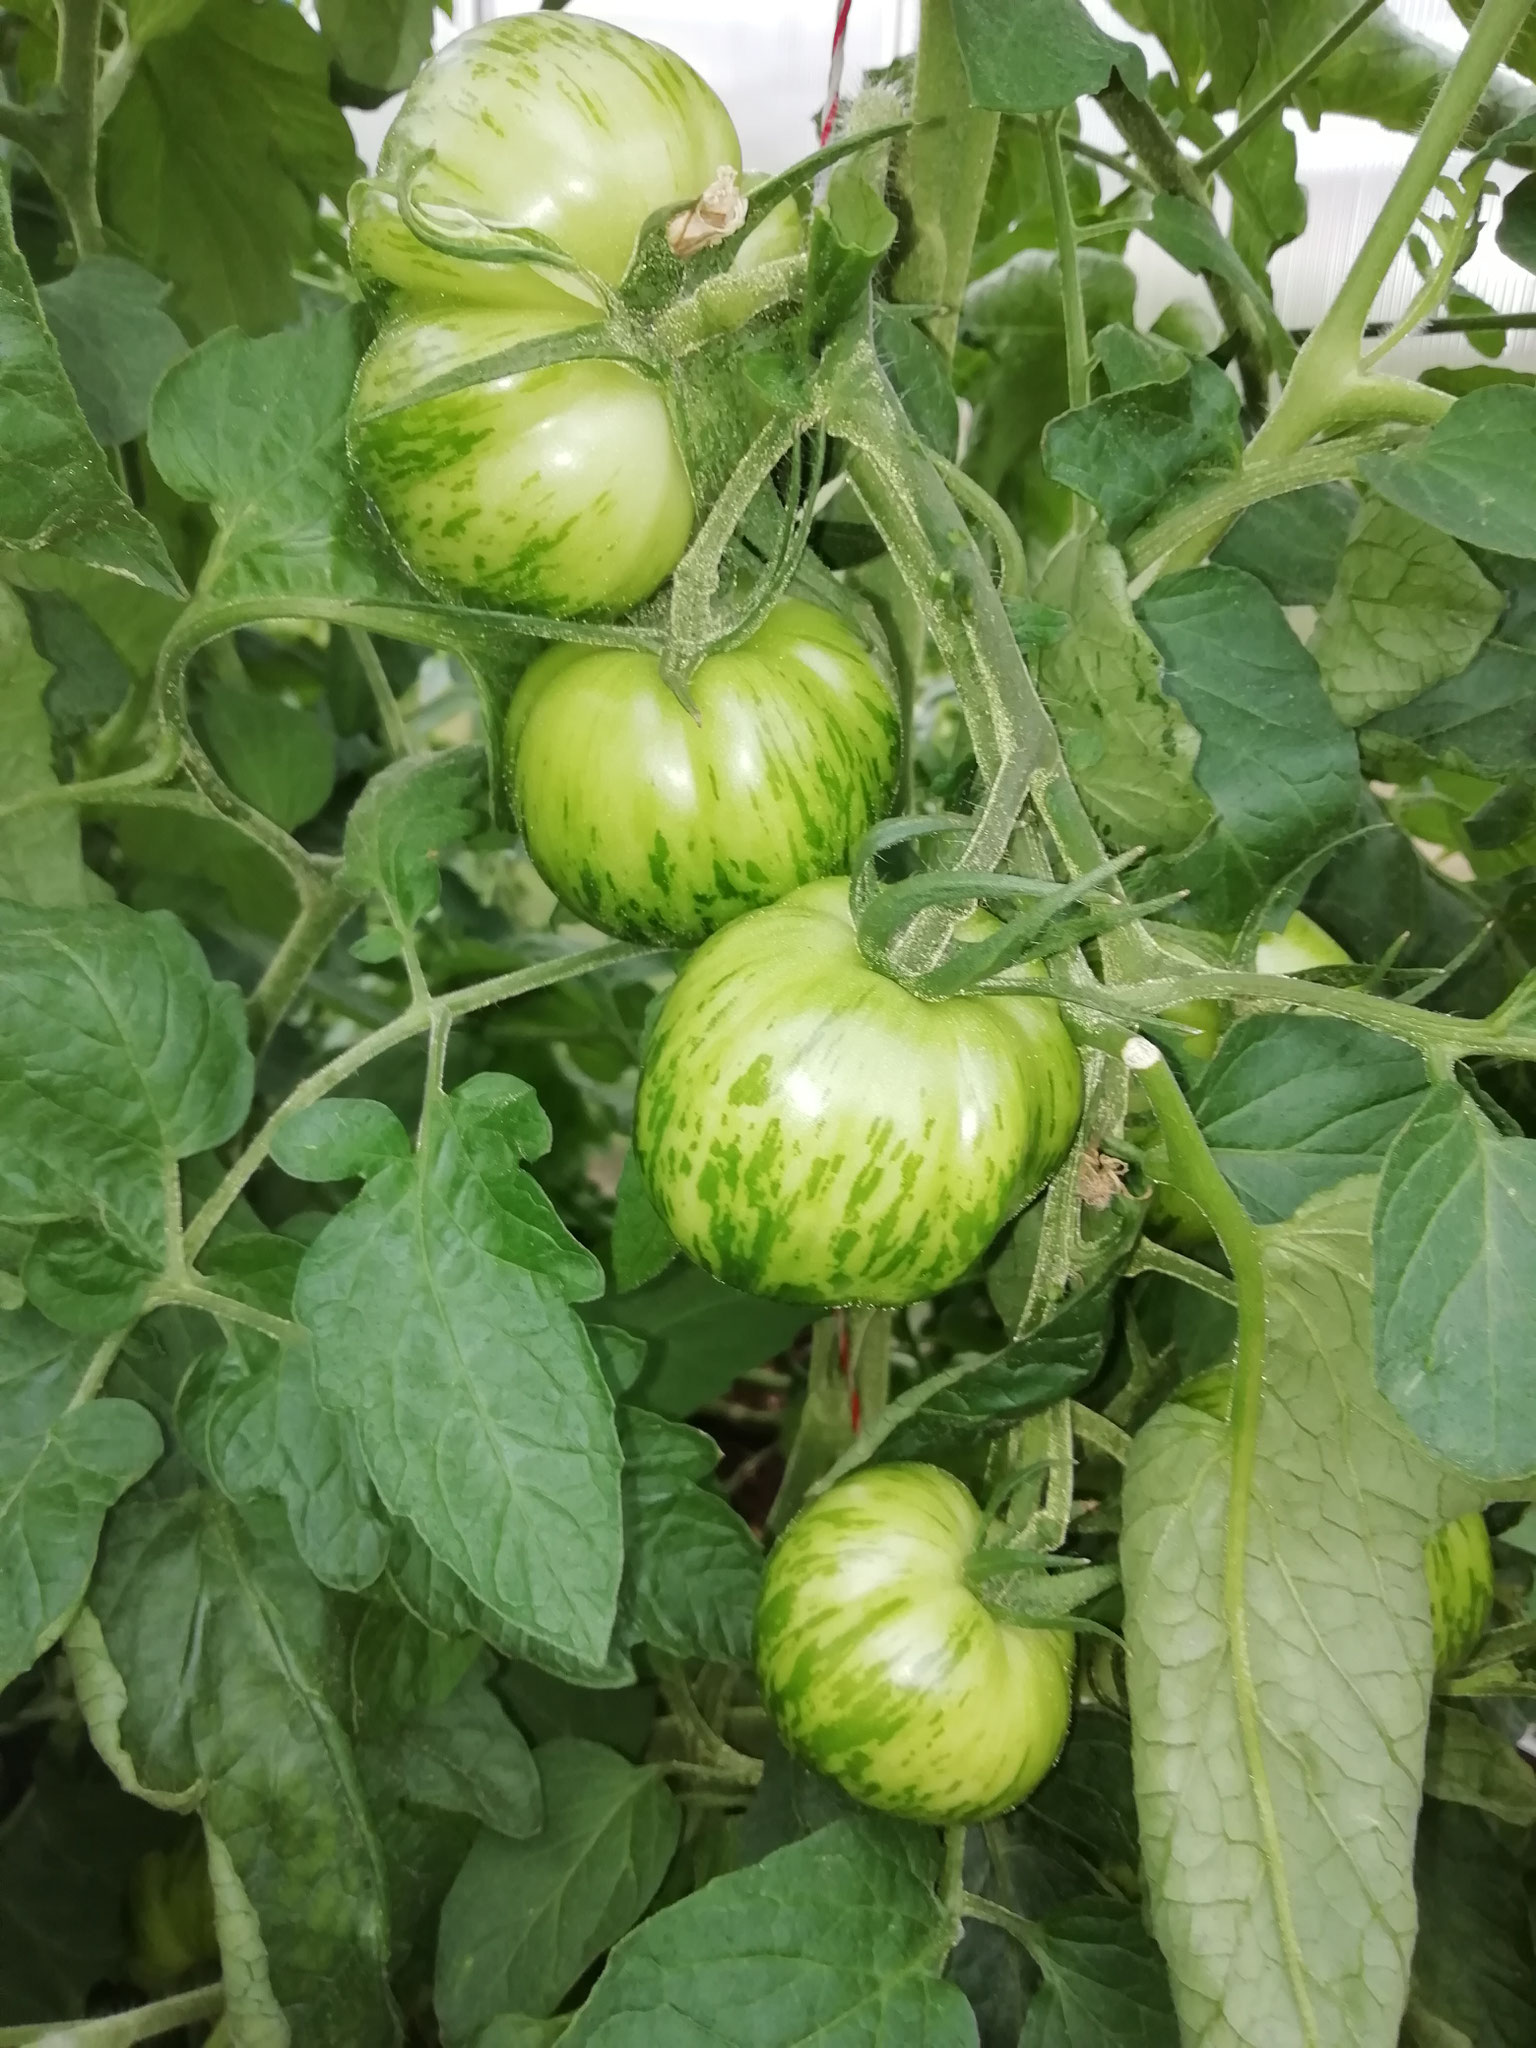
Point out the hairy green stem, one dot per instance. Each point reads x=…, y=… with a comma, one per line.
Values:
x=320, y=917
x=1327, y=372
x=1123, y=166
x=946, y=162
x=1074, y=318
x=409, y=1024
x=1197, y=1173
x=1099, y=1433
x=121, y=2029
x=1012, y=566
x=710, y=1745
x=1279, y=95
x=396, y=738
x=187, y=1294
x=1152, y=1257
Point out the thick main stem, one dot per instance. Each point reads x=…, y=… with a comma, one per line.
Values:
x=947, y=160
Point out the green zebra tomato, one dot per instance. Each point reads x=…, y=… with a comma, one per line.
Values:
x=883, y=1669
x=812, y=1130
x=559, y=490
x=1459, y=1561
x=657, y=827
x=555, y=123
x=1299, y=945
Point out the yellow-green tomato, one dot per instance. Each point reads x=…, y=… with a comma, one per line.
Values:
x=659, y=827
x=1459, y=1562
x=551, y=122
x=812, y=1130
x=1300, y=945
x=555, y=490
x=882, y=1668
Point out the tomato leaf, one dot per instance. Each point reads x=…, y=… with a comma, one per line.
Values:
x=211, y=1674
x=1470, y=476
x=39, y=850
x=111, y=1028
x=1104, y=1981
x=277, y=757
x=837, y=1939
x=1293, y=544
x=1129, y=747
x=1339, y=1646
x=380, y=43
x=215, y=156
x=691, y=1565
x=1125, y=452
x=1474, y=1969
x=1472, y=1764
x=1482, y=721
x=1279, y=770
x=438, y=1302
x=339, y=1139
x=524, y=1919
x=642, y=1244
x=404, y=819
x=1409, y=608
x=115, y=339
x=700, y=1336
x=464, y=1755
x=1032, y=56
x=1454, y=1242
x=57, y=493
x=61, y=1469
x=1292, y=1105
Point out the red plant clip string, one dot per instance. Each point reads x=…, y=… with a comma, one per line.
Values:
x=828, y=116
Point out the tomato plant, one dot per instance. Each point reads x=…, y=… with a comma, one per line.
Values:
x=767, y=1010
x=812, y=1130
x=790, y=759
x=884, y=1669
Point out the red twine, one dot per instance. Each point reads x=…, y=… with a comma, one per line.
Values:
x=835, y=71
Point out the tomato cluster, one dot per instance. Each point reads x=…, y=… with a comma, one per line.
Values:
x=809, y=1127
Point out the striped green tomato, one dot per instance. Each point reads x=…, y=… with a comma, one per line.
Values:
x=555, y=123
x=1459, y=1562
x=657, y=827
x=558, y=490
x=1299, y=945
x=883, y=1669
x=814, y=1131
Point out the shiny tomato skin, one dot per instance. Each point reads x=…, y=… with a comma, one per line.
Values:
x=881, y=1667
x=556, y=490
x=812, y=1130
x=557, y=123
x=1458, y=1559
x=656, y=826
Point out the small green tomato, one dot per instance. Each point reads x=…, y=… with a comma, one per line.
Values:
x=1300, y=945
x=1459, y=1562
x=882, y=1668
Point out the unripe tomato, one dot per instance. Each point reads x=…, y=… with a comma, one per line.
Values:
x=1459, y=1561
x=657, y=827
x=1300, y=945
x=567, y=126
x=883, y=1669
x=559, y=490
x=811, y=1129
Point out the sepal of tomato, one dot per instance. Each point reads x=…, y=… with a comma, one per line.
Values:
x=660, y=827
x=1459, y=1562
x=558, y=490
x=570, y=127
x=882, y=1668
x=812, y=1130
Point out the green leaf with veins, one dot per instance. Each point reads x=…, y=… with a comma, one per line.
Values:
x=1455, y=1254
x=1033, y=56
x=280, y=759
x=215, y=157
x=1280, y=772
x=57, y=493
x=1409, y=609
x=40, y=849
x=838, y=1939
x=1517, y=224
x=343, y=1138
x=1189, y=234
x=119, y=1055
x=1474, y=1969
x=232, y=1663
x=1292, y=1105
x=1471, y=475
x=464, y=1755
x=691, y=1564
x=380, y=43
x=402, y=822
x=1471, y=1764
x=439, y=1305
x=1482, y=722
x=642, y=1244
x=1306, y=1935
x=116, y=341
x=1104, y=1981
x=700, y=1335
x=1125, y=452
x=61, y=1469
x=525, y=1919
x=257, y=430
x=1293, y=544
x=1129, y=747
